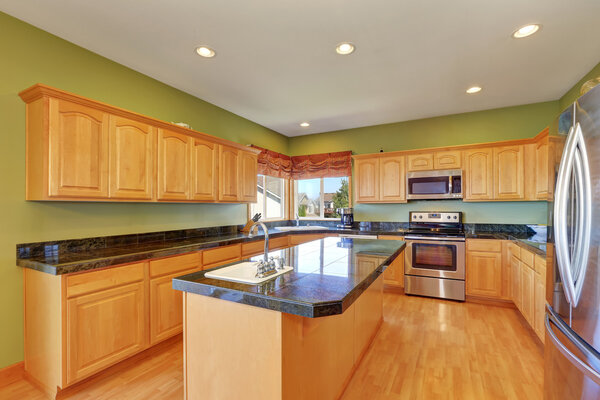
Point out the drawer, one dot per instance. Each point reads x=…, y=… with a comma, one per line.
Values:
x=540, y=265
x=390, y=237
x=484, y=245
x=171, y=265
x=527, y=257
x=221, y=255
x=297, y=239
x=279, y=243
x=109, y=278
x=258, y=246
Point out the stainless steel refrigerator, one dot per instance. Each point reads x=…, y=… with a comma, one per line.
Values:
x=572, y=352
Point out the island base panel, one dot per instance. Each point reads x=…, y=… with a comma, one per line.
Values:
x=237, y=351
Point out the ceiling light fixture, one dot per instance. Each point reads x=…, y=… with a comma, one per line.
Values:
x=344, y=48
x=473, y=90
x=526, y=30
x=206, y=52
x=304, y=124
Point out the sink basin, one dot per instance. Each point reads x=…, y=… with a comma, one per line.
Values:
x=301, y=228
x=244, y=273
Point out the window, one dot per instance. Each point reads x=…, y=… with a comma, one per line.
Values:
x=270, y=199
x=320, y=197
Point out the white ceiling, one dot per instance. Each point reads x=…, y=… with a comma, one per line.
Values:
x=276, y=63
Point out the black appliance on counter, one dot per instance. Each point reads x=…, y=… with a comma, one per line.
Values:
x=346, y=217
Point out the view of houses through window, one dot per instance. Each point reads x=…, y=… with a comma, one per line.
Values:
x=270, y=199
x=321, y=197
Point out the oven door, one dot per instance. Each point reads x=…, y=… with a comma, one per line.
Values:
x=439, y=258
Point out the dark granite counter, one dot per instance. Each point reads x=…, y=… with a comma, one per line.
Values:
x=327, y=277
x=69, y=256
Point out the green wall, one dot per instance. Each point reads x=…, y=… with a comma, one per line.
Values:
x=29, y=56
x=574, y=92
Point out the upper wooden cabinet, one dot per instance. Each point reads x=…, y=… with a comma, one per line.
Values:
x=542, y=172
x=420, y=162
x=447, y=159
x=204, y=170
x=248, y=177
x=380, y=179
x=478, y=176
x=71, y=172
x=174, y=166
x=509, y=173
x=83, y=150
x=131, y=159
x=366, y=179
x=392, y=179
x=229, y=173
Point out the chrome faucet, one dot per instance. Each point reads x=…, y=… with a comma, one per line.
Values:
x=268, y=265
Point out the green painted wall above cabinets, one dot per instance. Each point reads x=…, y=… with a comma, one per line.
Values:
x=575, y=91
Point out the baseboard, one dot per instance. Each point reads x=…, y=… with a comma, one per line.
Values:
x=12, y=373
x=387, y=288
x=491, y=302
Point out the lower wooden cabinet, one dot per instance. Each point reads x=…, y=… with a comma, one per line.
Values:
x=104, y=327
x=540, y=297
x=517, y=294
x=527, y=292
x=394, y=273
x=484, y=268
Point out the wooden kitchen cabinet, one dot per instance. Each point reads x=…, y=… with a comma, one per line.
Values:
x=540, y=297
x=478, y=176
x=509, y=173
x=131, y=154
x=392, y=179
x=394, y=273
x=104, y=327
x=366, y=179
x=248, y=177
x=79, y=149
x=204, y=162
x=173, y=166
x=515, y=268
x=447, y=159
x=229, y=173
x=541, y=169
x=484, y=268
x=221, y=255
x=420, y=162
x=527, y=293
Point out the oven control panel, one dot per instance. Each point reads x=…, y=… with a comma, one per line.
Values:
x=440, y=217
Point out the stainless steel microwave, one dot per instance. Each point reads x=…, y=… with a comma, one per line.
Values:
x=431, y=185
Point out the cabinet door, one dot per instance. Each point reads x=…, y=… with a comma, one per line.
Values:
x=131, y=159
x=78, y=139
x=527, y=292
x=539, y=304
x=394, y=274
x=174, y=153
x=542, y=171
x=447, y=159
x=484, y=274
x=229, y=176
x=166, y=307
x=516, y=293
x=392, y=179
x=204, y=170
x=103, y=328
x=509, y=173
x=248, y=176
x=420, y=162
x=478, y=174
x=366, y=171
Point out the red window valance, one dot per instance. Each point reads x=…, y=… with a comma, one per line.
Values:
x=304, y=167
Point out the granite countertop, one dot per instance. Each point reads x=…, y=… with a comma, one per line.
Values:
x=327, y=277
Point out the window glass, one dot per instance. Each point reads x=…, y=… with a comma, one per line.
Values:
x=270, y=198
x=308, y=198
x=335, y=196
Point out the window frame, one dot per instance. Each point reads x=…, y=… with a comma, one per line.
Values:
x=294, y=200
x=286, y=201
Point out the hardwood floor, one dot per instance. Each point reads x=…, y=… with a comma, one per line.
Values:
x=425, y=349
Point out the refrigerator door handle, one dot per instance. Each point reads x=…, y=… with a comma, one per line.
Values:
x=573, y=265
x=576, y=361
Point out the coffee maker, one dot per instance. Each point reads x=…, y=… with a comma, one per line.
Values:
x=346, y=217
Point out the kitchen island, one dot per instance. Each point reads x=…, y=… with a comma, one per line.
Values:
x=297, y=336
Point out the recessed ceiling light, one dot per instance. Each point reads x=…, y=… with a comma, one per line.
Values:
x=474, y=89
x=205, y=51
x=526, y=30
x=344, y=48
x=304, y=124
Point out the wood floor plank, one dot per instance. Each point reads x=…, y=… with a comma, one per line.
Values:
x=425, y=349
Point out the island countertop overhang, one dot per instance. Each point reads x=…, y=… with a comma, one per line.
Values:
x=329, y=275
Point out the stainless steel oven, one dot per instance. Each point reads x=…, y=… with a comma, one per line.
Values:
x=435, y=256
